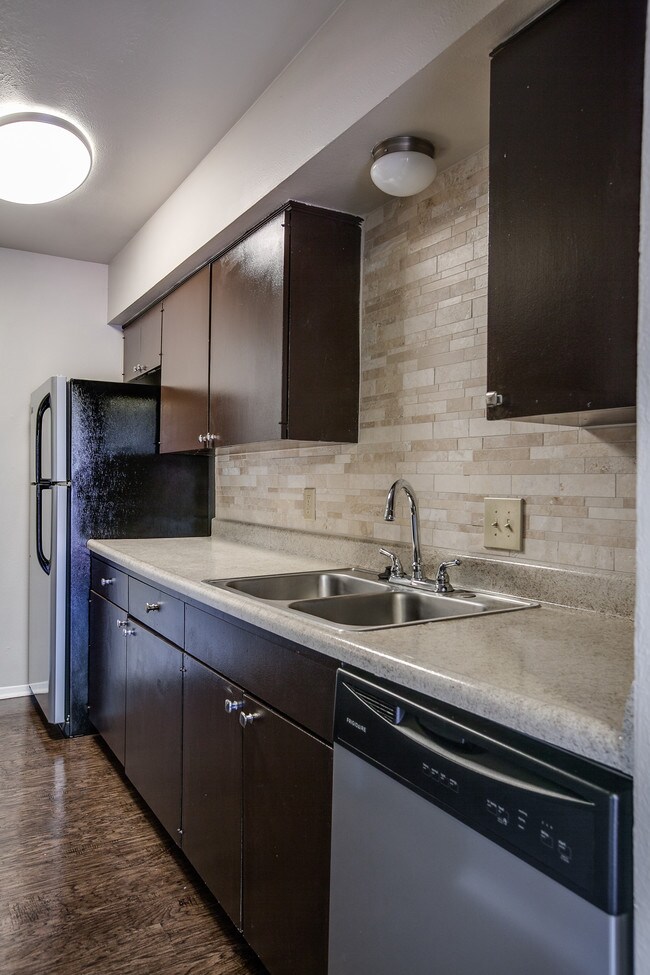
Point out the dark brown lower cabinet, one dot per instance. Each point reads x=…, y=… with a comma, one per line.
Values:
x=107, y=673
x=212, y=783
x=287, y=800
x=154, y=702
x=246, y=782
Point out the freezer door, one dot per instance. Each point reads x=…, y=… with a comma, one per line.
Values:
x=48, y=432
x=47, y=598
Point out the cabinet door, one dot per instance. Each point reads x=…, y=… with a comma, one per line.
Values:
x=150, y=338
x=185, y=364
x=564, y=214
x=322, y=384
x=286, y=843
x=142, y=344
x=107, y=673
x=154, y=724
x=212, y=783
x=131, y=352
x=247, y=339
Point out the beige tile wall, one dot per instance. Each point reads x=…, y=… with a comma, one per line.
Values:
x=423, y=383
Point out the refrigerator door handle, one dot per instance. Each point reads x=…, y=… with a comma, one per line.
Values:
x=45, y=563
x=45, y=404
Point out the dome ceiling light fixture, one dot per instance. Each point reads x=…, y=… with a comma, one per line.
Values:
x=403, y=165
x=42, y=157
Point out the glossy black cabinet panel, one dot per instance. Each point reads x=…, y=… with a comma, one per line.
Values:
x=154, y=702
x=212, y=783
x=286, y=843
x=565, y=143
x=107, y=673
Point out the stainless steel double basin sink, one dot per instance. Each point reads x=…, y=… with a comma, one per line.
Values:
x=356, y=599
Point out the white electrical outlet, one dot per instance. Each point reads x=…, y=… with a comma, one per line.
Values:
x=503, y=525
x=309, y=503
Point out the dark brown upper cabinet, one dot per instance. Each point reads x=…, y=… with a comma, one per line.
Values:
x=185, y=365
x=565, y=150
x=142, y=344
x=284, y=359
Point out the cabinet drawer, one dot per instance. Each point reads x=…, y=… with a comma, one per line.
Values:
x=157, y=610
x=290, y=678
x=111, y=583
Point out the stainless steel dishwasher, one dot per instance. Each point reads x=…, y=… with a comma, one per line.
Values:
x=462, y=848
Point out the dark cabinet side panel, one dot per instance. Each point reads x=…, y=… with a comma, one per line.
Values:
x=212, y=784
x=286, y=847
x=247, y=338
x=154, y=724
x=107, y=673
x=323, y=366
x=185, y=363
x=565, y=140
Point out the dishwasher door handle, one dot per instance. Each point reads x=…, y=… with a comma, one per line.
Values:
x=494, y=768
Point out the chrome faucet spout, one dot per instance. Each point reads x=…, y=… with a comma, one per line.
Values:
x=389, y=515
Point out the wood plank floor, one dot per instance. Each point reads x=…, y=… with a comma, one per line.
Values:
x=89, y=883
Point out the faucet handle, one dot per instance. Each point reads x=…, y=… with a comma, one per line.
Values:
x=442, y=578
x=396, y=568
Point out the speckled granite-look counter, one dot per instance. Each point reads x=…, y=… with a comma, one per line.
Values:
x=561, y=675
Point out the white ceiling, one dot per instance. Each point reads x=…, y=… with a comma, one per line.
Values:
x=155, y=84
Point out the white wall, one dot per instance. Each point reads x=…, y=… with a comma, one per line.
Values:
x=642, y=649
x=362, y=54
x=53, y=316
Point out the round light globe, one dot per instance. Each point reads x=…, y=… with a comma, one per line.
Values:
x=403, y=165
x=42, y=158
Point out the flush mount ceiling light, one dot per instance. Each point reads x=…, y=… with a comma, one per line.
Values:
x=403, y=165
x=42, y=157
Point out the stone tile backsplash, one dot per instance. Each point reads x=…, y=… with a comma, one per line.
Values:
x=422, y=416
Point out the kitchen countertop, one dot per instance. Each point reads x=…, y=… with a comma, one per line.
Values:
x=560, y=675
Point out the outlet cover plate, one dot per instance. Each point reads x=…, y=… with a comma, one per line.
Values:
x=309, y=503
x=503, y=524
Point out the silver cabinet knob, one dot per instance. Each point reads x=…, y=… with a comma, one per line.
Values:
x=129, y=632
x=121, y=624
x=230, y=706
x=493, y=399
x=135, y=368
x=106, y=582
x=245, y=719
x=212, y=437
x=203, y=438
x=151, y=607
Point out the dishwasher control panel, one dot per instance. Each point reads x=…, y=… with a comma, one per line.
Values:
x=554, y=810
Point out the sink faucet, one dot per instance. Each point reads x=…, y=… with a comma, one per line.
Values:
x=389, y=515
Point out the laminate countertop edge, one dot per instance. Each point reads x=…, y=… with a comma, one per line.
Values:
x=560, y=675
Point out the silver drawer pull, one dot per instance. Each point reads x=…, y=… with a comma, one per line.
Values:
x=129, y=632
x=151, y=607
x=121, y=624
x=245, y=719
x=493, y=398
x=231, y=706
x=107, y=582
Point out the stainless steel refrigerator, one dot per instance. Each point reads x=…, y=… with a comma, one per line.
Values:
x=95, y=472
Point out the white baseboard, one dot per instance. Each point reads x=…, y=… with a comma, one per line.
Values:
x=18, y=690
